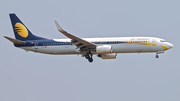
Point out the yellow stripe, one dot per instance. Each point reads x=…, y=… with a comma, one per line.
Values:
x=146, y=43
x=141, y=43
x=165, y=48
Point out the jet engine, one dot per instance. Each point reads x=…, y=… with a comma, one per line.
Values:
x=103, y=49
x=108, y=56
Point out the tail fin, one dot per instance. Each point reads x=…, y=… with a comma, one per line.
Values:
x=20, y=30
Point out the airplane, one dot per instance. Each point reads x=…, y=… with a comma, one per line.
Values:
x=105, y=48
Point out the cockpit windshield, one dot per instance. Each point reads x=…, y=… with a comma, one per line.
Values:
x=162, y=41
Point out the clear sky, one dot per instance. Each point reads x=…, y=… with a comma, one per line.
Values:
x=28, y=76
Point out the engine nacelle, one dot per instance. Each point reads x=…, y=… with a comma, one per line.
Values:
x=108, y=56
x=103, y=49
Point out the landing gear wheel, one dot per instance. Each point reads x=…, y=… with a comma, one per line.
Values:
x=157, y=56
x=90, y=59
x=89, y=56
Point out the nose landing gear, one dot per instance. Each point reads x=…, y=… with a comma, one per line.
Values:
x=157, y=56
x=159, y=52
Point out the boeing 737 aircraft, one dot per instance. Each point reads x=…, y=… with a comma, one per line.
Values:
x=105, y=48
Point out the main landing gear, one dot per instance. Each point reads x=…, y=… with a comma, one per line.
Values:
x=89, y=56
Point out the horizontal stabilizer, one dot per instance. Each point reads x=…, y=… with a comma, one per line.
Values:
x=15, y=41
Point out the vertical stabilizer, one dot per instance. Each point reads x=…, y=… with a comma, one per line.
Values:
x=20, y=30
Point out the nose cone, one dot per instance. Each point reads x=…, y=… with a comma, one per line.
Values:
x=169, y=45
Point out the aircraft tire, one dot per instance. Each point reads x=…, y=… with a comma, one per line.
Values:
x=157, y=56
x=90, y=59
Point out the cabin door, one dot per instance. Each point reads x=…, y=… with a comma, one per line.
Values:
x=66, y=44
x=153, y=42
x=36, y=45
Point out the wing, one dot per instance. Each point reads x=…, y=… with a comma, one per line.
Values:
x=83, y=45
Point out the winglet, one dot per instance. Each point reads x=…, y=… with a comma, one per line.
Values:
x=15, y=41
x=59, y=27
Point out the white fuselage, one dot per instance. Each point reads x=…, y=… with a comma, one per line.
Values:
x=119, y=45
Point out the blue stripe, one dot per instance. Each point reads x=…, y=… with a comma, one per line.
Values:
x=55, y=43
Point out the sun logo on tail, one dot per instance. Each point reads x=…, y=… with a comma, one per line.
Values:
x=21, y=30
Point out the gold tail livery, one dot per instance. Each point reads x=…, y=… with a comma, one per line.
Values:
x=105, y=48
